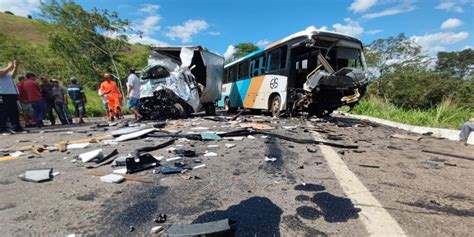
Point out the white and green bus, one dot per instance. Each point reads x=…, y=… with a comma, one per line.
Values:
x=313, y=71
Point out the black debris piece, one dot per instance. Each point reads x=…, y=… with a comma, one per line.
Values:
x=140, y=162
x=222, y=228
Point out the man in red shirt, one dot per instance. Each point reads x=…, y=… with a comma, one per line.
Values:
x=26, y=110
x=33, y=92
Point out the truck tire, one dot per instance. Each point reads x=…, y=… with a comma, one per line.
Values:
x=210, y=109
x=181, y=111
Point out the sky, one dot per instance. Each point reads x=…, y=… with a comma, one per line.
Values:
x=435, y=25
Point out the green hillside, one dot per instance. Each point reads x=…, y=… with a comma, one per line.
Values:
x=36, y=32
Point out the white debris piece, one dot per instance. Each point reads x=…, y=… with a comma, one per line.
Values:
x=250, y=137
x=290, y=127
x=234, y=138
x=56, y=173
x=212, y=146
x=134, y=135
x=52, y=148
x=159, y=158
x=171, y=149
x=108, y=142
x=112, y=178
x=270, y=159
x=183, y=139
x=16, y=153
x=174, y=158
x=156, y=229
x=229, y=145
x=78, y=146
x=199, y=166
x=120, y=171
x=210, y=154
x=264, y=136
x=88, y=156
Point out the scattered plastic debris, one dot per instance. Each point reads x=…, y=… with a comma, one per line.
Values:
x=88, y=156
x=37, y=176
x=210, y=154
x=270, y=159
x=112, y=178
x=229, y=145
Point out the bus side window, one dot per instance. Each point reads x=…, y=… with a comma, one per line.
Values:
x=257, y=66
x=243, y=70
x=233, y=73
x=277, y=59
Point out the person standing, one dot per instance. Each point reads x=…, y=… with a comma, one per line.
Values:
x=79, y=100
x=133, y=94
x=47, y=94
x=466, y=130
x=25, y=107
x=60, y=103
x=33, y=92
x=109, y=88
x=8, y=98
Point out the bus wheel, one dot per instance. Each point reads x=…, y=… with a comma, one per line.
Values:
x=181, y=111
x=275, y=106
x=227, y=106
x=210, y=109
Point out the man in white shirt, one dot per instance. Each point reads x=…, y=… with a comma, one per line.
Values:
x=9, y=98
x=133, y=93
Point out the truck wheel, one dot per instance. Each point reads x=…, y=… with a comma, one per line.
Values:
x=210, y=109
x=181, y=112
x=275, y=106
x=227, y=106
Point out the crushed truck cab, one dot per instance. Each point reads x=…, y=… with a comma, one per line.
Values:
x=179, y=81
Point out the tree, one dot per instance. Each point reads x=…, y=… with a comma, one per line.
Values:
x=243, y=49
x=88, y=41
x=395, y=53
x=458, y=63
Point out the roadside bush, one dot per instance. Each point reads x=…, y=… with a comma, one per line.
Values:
x=423, y=90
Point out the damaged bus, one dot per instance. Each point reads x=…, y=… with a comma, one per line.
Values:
x=312, y=71
x=179, y=81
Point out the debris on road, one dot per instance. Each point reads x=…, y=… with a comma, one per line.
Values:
x=156, y=229
x=406, y=137
x=448, y=154
x=369, y=166
x=229, y=145
x=270, y=159
x=88, y=156
x=112, y=178
x=210, y=136
x=37, y=176
x=171, y=170
x=224, y=227
x=209, y=154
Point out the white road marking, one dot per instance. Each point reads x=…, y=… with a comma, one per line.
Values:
x=376, y=219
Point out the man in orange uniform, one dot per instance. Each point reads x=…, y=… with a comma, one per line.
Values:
x=114, y=97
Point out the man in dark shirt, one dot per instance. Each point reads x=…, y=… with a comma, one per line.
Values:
x=47, y=93
x=76, y=93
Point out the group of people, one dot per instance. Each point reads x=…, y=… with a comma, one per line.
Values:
x=38, y=101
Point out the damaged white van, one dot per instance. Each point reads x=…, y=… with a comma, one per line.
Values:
x=179, y=81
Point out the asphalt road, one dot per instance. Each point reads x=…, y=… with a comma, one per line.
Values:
x=383, y=187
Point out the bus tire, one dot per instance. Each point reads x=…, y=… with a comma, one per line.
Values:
x=210, y=109
x=227, y=107
x=275, y=106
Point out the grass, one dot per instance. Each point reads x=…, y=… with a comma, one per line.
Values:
x=23, y=28
x=445, y=115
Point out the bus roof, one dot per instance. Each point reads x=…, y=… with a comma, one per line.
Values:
x=309, y=32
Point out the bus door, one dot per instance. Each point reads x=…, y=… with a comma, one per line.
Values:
x=303, y=61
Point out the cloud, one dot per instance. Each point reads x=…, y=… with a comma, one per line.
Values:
x=450, y=7
x=149, y=8
x=214, y=33
x=362, y=5
x=451, y=23
x=432, y=43
x=351, y=27
x=229, y=52
x=373, y=32
x=20, y=7
x=467, y=47
x=390, y=11
x=263, y=43
x=135, y=38
x=185, y=31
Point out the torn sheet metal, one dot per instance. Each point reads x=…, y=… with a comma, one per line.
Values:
x=178, y=81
